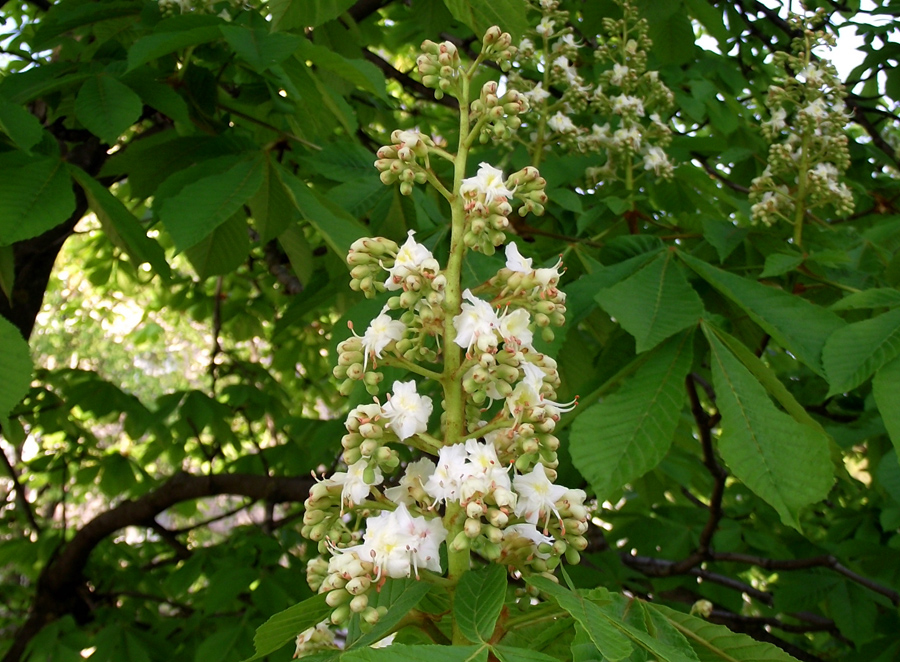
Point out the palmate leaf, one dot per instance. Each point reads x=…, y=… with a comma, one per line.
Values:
x=258, y=47
x=796, y=324
x=512, y=654
x=288, y=14
x=399, y=596
x=120, y=225
x=336, y=226
x=21, y=126
x=15, y=365
x=200, y=207
x=886, y=389
x=284, y=626
x=107, y=107
x=35, y=196
x=604, y=634
x=716, y=643
x=653, y=304
x=479, y=599
x=628, y=433
x=223, y=250
x=647, y=629
x=510, y=15
x=404, y=653
x=784, y=462
x=854, y=352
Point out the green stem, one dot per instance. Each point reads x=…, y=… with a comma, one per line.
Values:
x=401, y=362
x=802, y=179
x=454, y=398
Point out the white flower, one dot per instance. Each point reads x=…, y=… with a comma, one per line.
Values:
x=388, y=544
x=536, y=95
x=777, y=123
x=566, y=41
x=537, y=495
x=561, y=123
x=529, y=532
x=627, y=104
x=475, y=324
x=416, y=475
x=630, y=137
x=443, y=485
x=545, y=27
x=526, y=45
x=412, y=258
x=515, y=261
x=656, y=160
x=381, y=332
x=488, y=182
x=816, y=109
x=426, y=535
x=619, y=71
x=314, y=639
x=354, y=488
x=549, y=276
x=406, y=411
x=514, y=327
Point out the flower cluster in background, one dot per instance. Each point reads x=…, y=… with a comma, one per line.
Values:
x=808, y=152
x=629, y=99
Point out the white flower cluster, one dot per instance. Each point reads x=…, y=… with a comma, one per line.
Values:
x=629, y=98
x=499, y=477
x=808, y=152
x=488, y=205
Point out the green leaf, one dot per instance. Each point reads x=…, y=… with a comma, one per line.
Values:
x=158, y=95
x=21, y=126
x=716, y=643
x=344, y=162
x=258, y=47
x=66, y=16
x=511, y=654
x=7, y=270
x=479, y=598
x=785, y=462
x=628, y=433
x=155, y=45
x=15, y=358
x=654, y=303
x=35, y=196
x=403, y=653
x=336, y=226
x=271, y=206
x=799, y=326
x=673, y=36
x=647, y=629
x=857, y=350
x=399, y=596
x=200, y=207
x=360, y=73
x=223, y=250
x=768, y=379
x=288, y=14
x=107, y=107
x=780, y=263
x=606, y=636
x=886, y=390
x=723, y=235
x=299, y=252
x=284, y=626
x=510, y=15
x=879, y=297
x=120, y=225
x=710, y=17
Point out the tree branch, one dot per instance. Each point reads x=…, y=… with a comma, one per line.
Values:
x=21, y=499
x=61, y=587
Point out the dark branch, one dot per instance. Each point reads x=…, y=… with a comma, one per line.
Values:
x=62, y=589
x=411, y=84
